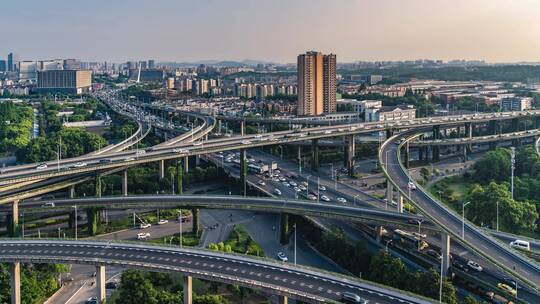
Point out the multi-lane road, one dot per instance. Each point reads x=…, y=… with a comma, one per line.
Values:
x=279, y=278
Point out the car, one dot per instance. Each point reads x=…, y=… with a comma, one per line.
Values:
x=341, y=200
x=520, y=244
x=277, y=191
x=322, y=188
x=197, y=143
x=296, y=189
x=282, y=257
x=48, y=204
x=434, y=254
x=282, y=179
x=510, y=282
x=92, y=300
x=261, y=183
x=349, y=297
x=145, y=225
x=411, y=186
x=246, y=142
x=302, y=187
x=111, y=285
x=105, y=161
x=143, y=235
x=325, y=198
x=312, y=197
x=162, y=222
x=179, y=150
x=41, y=167
x=474, y=265
x=129, y=159
x=286, y=184
x=79, y=164
x=507, y=288
x=419, y=235
x=140, y=152
x=292, y=183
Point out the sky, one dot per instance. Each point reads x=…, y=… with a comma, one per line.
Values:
x=271, y=30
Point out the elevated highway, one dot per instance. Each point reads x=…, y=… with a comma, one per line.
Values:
x=285, y=279
x=474, y=238
x=122, y=159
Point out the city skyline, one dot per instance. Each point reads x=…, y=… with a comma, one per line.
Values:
x=495, y=31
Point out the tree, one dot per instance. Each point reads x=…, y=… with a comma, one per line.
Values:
x=388, y=270
x=494, y=165
x=428, y=284
x=136, y=288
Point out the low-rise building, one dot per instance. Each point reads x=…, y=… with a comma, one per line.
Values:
x=516, y=103
x=390, y=113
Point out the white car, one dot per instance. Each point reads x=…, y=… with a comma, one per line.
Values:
x=79, y=164
x=277, y=191
x=411, y=186
x=41, y=167
x=341, y=200
x=143, y=235
x=282, y=257
x=162, y=222
x=474, y=265
x=296, y=189
x=178, y=150
x=312, y=197
x=302, y=187
x=322, y=188
x=145, y=225
x=325, y=198
x=294, y=184
x=129, y=159
x=140, y=152
x=286, y=184
x=246, y=142
x=197, y=143
x=261, y=183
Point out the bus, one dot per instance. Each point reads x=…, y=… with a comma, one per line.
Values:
x=408, y=240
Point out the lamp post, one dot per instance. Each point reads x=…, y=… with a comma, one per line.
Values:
x=387, y=242
x=497, y=215
x=294, y=243
x=354, y=198
x=307, y=186
x=463, y=219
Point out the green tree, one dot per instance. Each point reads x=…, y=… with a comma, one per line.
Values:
x=428, y=284
x=494, y=165
x=388, y=270
x=136, y=288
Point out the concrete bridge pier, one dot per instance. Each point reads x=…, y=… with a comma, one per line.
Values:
x=515, y=124
x=283, y=300
x=188, y=290
x=97, y=185
x=186, y=164
x=125, y=182
x=72, y=191
x=219, y=125
x=378, y=233
x=100, y=284
x=389, y=191
x=315, y=155
x=15, y=282
x=445, y=252
x=349, y=155
x=243, y=171
x=161, y=169
x=435, y=149
x=389, y=133
x=13, y=222
x=242, y=127
x=400, y=203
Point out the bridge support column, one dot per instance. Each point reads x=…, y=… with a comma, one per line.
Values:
x=435, y=149
x=378, y=233
x=219, y=125
x=242, y=127
x=125, y=182
x=315, y=155
x=15, y=276
x=400, y=203
x=188, y=290
x=283, y=300
x=13, y=223
x=186, y=164
x=179, y=177
x=98, y=185
x=389, y=192
x=161, y=169
x=72, y=191
x=195, y=217
x=389, y=133
x=284, y=228
x=515, y=125
x=350, y=149
x=445, y=252
x=243, y=171
x=420, y=154
x=100, y=284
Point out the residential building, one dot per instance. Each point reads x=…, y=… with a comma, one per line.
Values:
x=390, y=113
x=374, y=79
x=516, y=103
x=151, y=75
x=28, y=70
x=11, y=62
x=316, y=83
x=65, y=81
x=3, y=66
x=151, y=64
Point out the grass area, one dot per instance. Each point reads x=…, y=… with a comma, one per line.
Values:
x=239, y=241
x=188, y=239
x=450, y=190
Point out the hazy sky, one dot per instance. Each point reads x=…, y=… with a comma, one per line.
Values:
x=273, y=30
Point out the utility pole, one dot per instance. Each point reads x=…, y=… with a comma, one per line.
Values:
x=513, y=167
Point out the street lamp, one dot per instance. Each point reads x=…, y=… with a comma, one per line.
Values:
x=294, y=243
x=180, y=223
x=76, y=224
x=497, y=215
x=463, y=219
x=354, y=198
x=419, y=224
x=513, y=167
x=307, y=186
